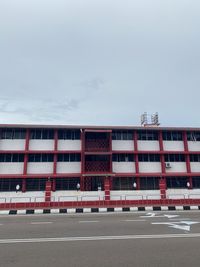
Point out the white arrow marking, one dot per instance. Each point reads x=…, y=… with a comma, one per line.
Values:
x=150, y=215
x=171, y=216
x=182, y=225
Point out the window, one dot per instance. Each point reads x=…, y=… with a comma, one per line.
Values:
x=147, y=135
x=69, y=134
x=195, y=158
x=149, y=183
x=42, y=134
x=67, y=183
x=196, y=182
x=40, y=157
x=13, y=133
x=149, y=157
x=193, y=136
x=123, y=157
x=11, y=157
x=69, y=157
x=123, y=183
x=174, y=158
x=172, y=136
x=35, y=184
x=97, y=158
x=122, y=135
x=176, y=182
x=9, y=184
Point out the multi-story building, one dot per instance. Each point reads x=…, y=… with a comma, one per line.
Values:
x=99, y=158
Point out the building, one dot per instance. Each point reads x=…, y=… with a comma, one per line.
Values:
x=107, y=159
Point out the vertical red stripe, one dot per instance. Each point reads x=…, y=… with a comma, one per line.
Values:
x=162, y=183
x=136, y=159
x=25, y=158
x=187, y=155
x=82, y=159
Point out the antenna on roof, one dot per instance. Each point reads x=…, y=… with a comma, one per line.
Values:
x=150, y=120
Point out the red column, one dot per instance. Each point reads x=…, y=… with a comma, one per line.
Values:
x=136, y=160
x=187, y=155
x=82, y=160
x=48, y=191
x=162, y=183
x=111, y=163
x=23, y=185
x=55, y=159
x=26, y=159
x=162, y=186
x=107, y=188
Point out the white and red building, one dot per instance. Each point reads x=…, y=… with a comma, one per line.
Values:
x=112, y=162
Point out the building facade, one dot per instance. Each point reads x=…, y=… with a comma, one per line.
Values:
x=99, y=158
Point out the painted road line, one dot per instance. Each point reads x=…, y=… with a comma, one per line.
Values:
x=88, y=221
x=97, y=238
x=134, y=220
x=41, y=222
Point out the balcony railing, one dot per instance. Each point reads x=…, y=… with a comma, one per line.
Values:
x=95, y=145
x=97, y=166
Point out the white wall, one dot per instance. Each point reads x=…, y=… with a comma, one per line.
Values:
x=13, y=197
x=40, y=167
x=173, y=145
x=122, y=145
x=148, y=145
x=77, y=196
x=12, y=144
x=145, y=167
x=68, y=167
x=37, y=144
x=69, y=144
x=182, y=193
x=11, y=167
x=123, y=167
x=135, y=195
x=194, y=145
x=195, y=166
x=177, y=167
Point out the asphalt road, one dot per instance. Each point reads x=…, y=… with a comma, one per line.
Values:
x=123, y=239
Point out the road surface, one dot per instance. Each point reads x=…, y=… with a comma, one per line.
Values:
x=94, y=240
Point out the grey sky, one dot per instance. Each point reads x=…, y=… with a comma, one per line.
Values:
x=99, y=62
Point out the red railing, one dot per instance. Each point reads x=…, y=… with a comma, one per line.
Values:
x=97, y=145
x=97, y=166
x=100, y=202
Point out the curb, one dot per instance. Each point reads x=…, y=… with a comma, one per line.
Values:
x=97, y=210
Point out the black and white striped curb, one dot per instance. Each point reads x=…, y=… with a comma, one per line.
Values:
x=97, y=210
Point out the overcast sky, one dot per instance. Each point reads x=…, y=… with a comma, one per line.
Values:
x=99, y=62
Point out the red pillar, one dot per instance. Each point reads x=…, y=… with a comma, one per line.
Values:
x=162, y=186
x=23, y=185
x=136, y=160
x=162, y=182
x=26, y=159
x=107, y=188
x=55, y=159
x=187, y=155
x=82, y=187
x=48, y=191
x=111, y=163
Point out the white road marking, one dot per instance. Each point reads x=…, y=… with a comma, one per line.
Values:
x=133, y=220
x=181, y=225
x=154, y=215
x=41, y=222
x=97, y=238
x=88, y=221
